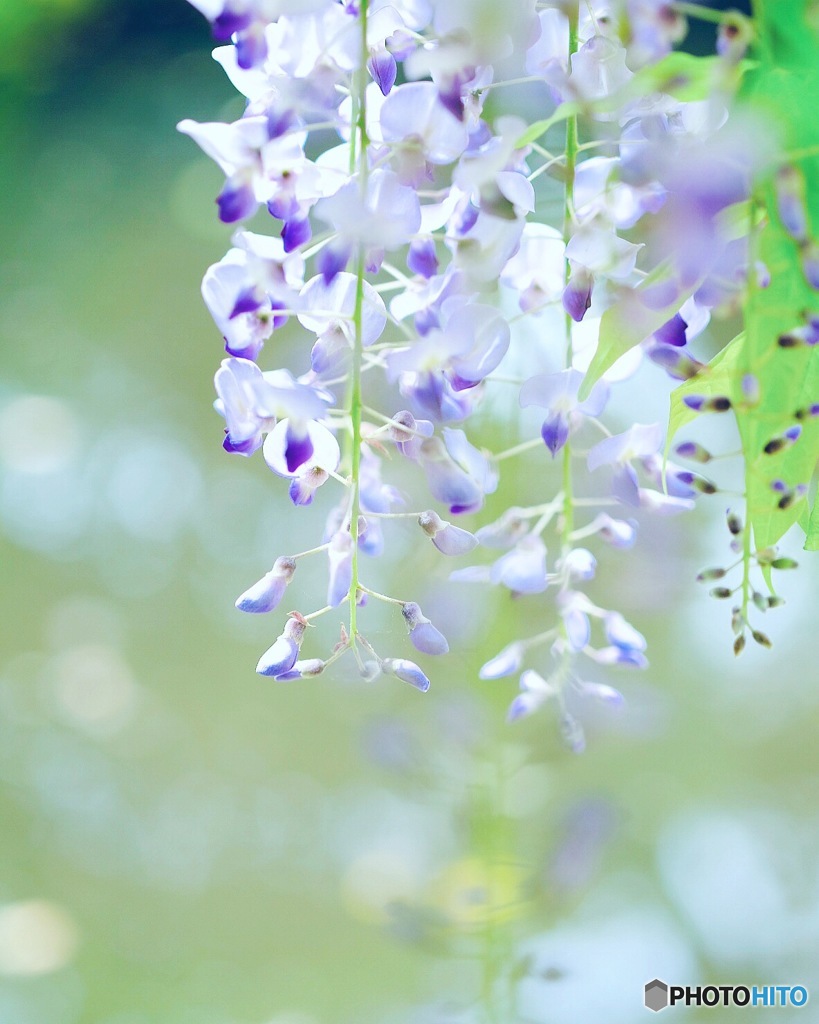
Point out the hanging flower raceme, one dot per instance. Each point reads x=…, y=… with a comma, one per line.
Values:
x=427, y=259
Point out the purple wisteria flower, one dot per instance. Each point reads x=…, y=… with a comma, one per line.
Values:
x=451, y=359
x=374, y=138
x=245, y=290
x=557, y=393
x=251, y=401
x=458, y=474
x=620, y=451
x=505, y=662
x=535, y=691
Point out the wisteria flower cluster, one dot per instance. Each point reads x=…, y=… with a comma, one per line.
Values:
x=406, y=232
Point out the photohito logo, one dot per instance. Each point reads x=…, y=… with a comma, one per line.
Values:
x=659, y=995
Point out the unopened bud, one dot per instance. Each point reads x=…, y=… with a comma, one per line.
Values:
x=810, y=263
x=692, y=450
x=784, y=563
x=737, y=620
x=790, y=200
x=760, y=638
x=734, y=523
x=423, y=635
x=777, y=444
x=751, y=390
x=734, y=35
x=310, y=667
x=430, y=522
x=739, y=644
x=721, y=592
x=710, y=574
x=699, y=403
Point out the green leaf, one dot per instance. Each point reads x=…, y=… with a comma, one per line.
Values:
x=718, y=378
x=777, y=89
x=812, y=530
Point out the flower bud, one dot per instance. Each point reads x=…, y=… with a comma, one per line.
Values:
x=739, y=644
x=423, y=635
x=810, y=263
x=692, y=450
x=790, y=200
x=710, y=574
x=778, y=444
x=784, y=563
x=699, y=403
x=735, y=33
x=406, y=670
x=279, y=659
x=734, y=523
x=268, y=592
x=720, y=592
x=448, y=539
x=504, y=663
x=577, y=293
x=761, y=638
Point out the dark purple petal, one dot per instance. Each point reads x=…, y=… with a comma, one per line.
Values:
x=251, y=47
x=451, y=100
x=236, y=201
x=331, y=261
x=279, y=122
x=555, y=432
x=228, y=23
x=577, y=295
x=247, y=301
x=383, y=68
x=242, y=447
x=298, y=448
x=672, y=332
x=464, y=218
x=422, y=258
x=296, y=233
x=283, y=207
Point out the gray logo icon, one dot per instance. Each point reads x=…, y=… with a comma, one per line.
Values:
x=656, y=995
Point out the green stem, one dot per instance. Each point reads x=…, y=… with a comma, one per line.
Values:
x=568, y=224
x=698, y=11
x=359, y=130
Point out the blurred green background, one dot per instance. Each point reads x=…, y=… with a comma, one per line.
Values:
x=183, y=842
